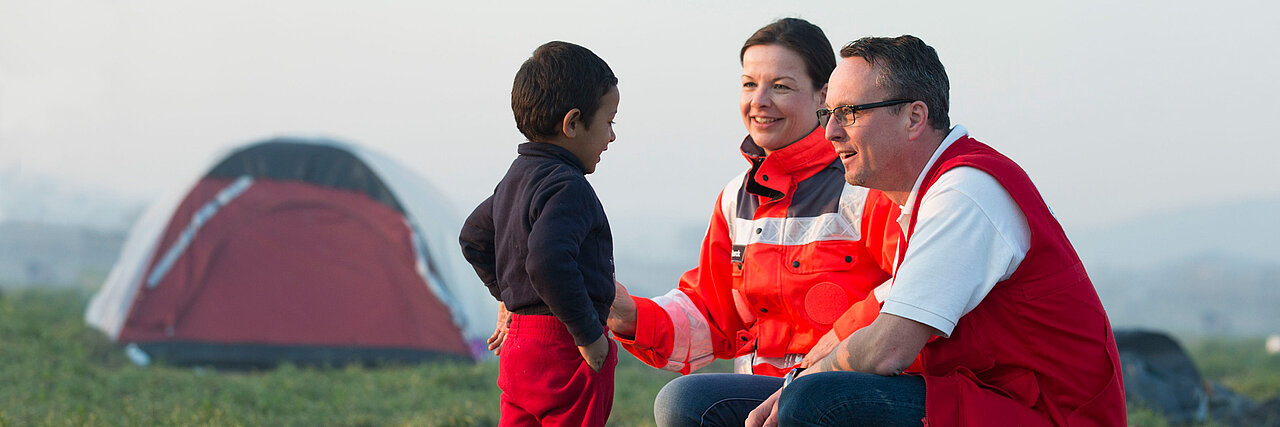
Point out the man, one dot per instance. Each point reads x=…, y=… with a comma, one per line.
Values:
x=987, y=292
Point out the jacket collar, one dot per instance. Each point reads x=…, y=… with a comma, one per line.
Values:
x=551, y=151
x=791, y=164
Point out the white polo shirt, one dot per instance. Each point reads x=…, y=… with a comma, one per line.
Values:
x=969, y=235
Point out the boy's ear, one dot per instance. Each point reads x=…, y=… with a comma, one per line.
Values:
x=572, y=120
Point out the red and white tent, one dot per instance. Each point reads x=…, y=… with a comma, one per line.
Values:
x=306, y=251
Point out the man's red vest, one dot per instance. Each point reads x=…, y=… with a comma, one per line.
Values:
x=1038, y=350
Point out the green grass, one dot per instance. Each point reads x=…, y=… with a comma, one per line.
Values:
x=1241, y=364
x=55, y=371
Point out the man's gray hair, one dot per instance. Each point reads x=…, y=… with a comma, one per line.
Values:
x=909, y=69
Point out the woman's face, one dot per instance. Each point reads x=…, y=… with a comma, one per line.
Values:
x=778, y=101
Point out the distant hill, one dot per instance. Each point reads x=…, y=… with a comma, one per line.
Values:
x=1202, y=295
x=1207, y=270
x=34, y=198
x=59, y=233
x=39, y=254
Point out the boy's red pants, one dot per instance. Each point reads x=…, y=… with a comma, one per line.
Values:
x=544, y=379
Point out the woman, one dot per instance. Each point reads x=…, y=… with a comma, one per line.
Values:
x=791, y=248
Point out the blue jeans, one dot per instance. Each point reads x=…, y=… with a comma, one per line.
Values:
x=852, y=399
x=712, y=399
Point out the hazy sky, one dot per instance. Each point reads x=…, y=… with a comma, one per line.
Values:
x=1115, y=110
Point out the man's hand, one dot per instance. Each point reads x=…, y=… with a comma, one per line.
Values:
x=500, y=332
x=765, y=415
x=596, y=352
x=828, y=342
x=622, y=315
x=885, y=347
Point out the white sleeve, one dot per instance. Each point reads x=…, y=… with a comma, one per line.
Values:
x=969, y=235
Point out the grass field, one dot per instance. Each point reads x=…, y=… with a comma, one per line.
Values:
x=56, y=371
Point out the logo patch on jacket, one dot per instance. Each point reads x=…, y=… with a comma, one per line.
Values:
x=736, y=254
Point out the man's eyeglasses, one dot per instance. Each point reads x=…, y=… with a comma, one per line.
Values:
x=844, y=114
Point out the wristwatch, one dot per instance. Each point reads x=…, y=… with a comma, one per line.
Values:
x=786, y=380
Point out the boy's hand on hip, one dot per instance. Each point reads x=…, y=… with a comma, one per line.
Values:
x=596, y=352
x=500, y=331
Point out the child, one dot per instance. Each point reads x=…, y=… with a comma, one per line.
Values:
x=541, y=244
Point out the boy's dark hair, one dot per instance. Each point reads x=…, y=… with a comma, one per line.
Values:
x=803, y=38
x=909, y=69
x=559, y=77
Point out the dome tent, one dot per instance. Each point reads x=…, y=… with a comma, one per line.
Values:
x=299, y=250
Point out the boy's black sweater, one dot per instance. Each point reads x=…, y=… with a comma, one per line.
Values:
x=542, y=243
